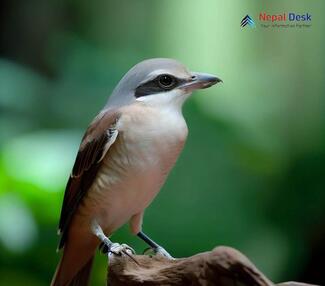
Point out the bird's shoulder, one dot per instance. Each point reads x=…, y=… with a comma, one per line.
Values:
x=105, y=120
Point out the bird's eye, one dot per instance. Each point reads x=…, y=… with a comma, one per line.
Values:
x=166, y=81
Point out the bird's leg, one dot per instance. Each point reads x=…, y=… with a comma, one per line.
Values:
x=107, y=246
x=136, y=226
x=154, y=246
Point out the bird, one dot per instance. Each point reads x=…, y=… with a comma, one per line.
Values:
x=123, y=160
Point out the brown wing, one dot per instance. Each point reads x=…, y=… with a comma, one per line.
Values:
x=98, y=138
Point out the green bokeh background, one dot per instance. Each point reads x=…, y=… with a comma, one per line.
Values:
x=252, y=172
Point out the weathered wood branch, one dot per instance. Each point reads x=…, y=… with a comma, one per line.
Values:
x=223, y=266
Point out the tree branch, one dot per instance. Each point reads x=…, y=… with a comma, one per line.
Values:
x=223, y=266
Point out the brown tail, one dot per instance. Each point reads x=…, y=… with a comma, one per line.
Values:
x=83, y=276
x=80, y=279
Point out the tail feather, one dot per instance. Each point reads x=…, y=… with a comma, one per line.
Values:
x=83, y=276
x=80, y=279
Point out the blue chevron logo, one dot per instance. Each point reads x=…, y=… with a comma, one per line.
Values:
x=247, y=20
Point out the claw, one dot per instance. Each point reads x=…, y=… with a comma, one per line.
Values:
x=115, y=248
x=108, y=247
x=120, y=249
x=160, y=251
x=163, y=252
x=147, y=251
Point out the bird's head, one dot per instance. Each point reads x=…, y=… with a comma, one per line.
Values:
x=159, y=82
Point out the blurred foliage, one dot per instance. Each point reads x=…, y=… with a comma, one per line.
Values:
x=252, y=172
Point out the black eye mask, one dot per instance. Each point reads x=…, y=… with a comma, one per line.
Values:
x=161, y=83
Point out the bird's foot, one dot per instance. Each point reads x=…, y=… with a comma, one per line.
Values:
x=160, y=251
x=163, y=252
x=154, y=247
x=109, y=247
x=120, y=249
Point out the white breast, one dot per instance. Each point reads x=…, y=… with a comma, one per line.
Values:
x=153, y=133
x=136, y=165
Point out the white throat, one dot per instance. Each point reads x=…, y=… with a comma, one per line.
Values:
x=173, y=99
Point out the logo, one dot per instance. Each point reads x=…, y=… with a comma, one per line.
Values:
x=278, y=20
x=306, y=17
x=247, y=20
x=285, y=20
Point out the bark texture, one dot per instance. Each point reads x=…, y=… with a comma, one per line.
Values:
x=223, y=266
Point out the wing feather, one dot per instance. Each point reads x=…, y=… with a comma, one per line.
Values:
x=99, y=136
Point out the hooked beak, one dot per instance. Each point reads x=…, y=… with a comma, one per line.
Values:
x=200, y=81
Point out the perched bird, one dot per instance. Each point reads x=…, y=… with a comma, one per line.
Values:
x=123, y=160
